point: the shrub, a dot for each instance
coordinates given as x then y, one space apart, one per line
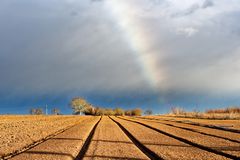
177 111
128 112
224 110
36 111
99 111
119 112
109 112
148 112
137 112
89 110
55 111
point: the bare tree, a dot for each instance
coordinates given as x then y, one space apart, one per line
128 112
177 110
39 111
32 111
148 112
36 111
78 105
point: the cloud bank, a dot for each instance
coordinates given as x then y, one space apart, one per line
92 48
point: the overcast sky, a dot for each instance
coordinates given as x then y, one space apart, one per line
147 53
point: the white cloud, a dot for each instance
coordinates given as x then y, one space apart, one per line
188 31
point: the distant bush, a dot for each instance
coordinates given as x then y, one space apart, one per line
148 112
55 111
224 110
90 110
196 113
177 111
219 113
128 112
136 112
109 112
118 112
36 111
99 111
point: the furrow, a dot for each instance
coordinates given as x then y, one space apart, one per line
87 142
196 130
64 146
164 146
19 151
199 124
185 140
150 154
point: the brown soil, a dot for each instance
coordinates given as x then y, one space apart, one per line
67 134
209 141
210 131
235 124
166 147
17 132
109 142
64 146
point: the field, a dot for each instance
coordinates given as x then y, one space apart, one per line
123 137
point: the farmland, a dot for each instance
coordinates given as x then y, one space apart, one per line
117 137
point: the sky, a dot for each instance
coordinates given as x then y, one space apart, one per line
152 54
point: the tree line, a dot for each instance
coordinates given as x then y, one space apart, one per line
81 106
39 111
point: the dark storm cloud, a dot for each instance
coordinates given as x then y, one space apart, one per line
196 6
53 51
69 47
192 9
207 3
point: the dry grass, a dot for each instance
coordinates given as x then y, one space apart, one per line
225 113
225 110
198 115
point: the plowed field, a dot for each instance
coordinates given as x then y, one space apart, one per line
135 138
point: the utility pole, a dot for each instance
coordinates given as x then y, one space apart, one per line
46 110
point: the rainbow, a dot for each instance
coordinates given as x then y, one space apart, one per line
138 40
